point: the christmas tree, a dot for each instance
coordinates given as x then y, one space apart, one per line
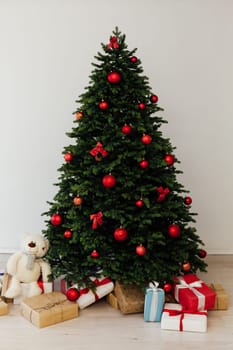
119 209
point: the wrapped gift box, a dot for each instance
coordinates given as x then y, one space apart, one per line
193 293
3 308
60 284
104 286
112 300
130 298
5 285
154 302
221 301
48 309
174 317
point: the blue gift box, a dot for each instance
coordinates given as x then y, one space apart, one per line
154 302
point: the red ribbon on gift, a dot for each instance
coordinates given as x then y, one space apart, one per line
97 219
98 149
182 313
162 193
98 283
113 44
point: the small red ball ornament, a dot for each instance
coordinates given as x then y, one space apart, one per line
174 230
114 77
188 200
68 234
72 294
103 105
202 253
142 106
56 219
77 200
79 115
186 266
126 129
146 139
109 181
133 59
94 254
139 203
120 234
140 250
154 98
167 287
169 159
68 157
144 164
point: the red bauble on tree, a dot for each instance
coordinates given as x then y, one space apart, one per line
188 200
202 253
126 129
114 77
120 234
186 266
146 139
77 200
167 287
139 203
144 164
72 294
103 105
109 181
94 254
133 59
140 250
68 157
169 159
68 234
174 230
56 219
154 98
142 105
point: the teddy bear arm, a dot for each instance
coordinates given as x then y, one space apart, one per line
45 270
11 265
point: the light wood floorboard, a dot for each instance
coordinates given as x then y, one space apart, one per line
101 327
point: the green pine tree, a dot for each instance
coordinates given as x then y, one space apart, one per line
119 207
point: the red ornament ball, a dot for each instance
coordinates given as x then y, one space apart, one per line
133 59
68 234
77 200
103 105
109 181
56 219
169 159
114 77
167 287
126 129
154 98
174 230
120 234
94 254
140 250
144 164
68 157
142 106
139 203
188 200
72 294
186 266
146 139
202 253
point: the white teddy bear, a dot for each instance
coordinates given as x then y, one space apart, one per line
27 266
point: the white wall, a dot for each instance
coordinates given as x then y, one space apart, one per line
46 50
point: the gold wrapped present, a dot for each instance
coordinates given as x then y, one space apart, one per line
47 309
112 300
3 308
221 301
130 298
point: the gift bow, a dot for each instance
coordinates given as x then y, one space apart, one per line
182 313
191 286
98 283
97 219
98 149
113 44
153 286
162 193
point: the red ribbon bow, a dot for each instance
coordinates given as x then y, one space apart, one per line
182 314
98 149
162 193
113 44
97 219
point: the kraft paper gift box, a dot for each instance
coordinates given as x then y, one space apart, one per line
112 300
174 317
154 302
104 286
48 309
3 308
5 285
221 301
193 293
130 298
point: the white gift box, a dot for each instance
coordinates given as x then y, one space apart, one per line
175 318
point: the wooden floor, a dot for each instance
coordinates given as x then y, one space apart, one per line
101 327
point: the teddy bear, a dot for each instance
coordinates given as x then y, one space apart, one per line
28 265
